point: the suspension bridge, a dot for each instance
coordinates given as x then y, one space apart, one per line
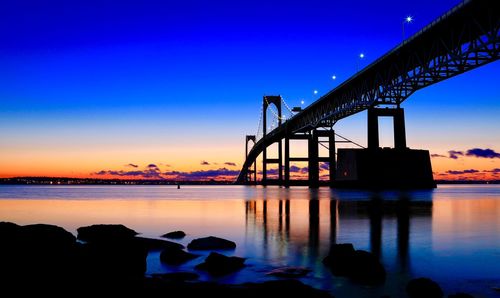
465 38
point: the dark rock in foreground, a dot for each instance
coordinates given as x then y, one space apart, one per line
274 289
176 256
366 268
105 233
339 258
423 287
157 244
121 260
209 243
217 264
460 295
174 235
290 272
358 265
177 276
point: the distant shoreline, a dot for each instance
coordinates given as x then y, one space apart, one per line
92 181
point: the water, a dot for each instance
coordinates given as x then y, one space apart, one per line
451 234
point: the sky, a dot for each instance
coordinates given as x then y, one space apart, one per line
169 89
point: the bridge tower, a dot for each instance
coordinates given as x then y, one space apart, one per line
266 102
250 171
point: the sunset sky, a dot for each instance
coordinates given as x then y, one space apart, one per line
169 89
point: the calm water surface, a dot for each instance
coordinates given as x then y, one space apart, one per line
451 234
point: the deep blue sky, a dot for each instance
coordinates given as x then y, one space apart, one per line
157 77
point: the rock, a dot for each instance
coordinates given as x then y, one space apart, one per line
460 295
105 233
9 230
35 256
217 264
282 288
358 265
423 287
157 244
120 260
154 287
176 256
177 276
48 236
209 243
174 235
366 268
339 258
290 272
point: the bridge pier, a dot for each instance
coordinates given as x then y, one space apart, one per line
375 167
313 159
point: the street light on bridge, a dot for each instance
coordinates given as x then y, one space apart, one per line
406 20
361 56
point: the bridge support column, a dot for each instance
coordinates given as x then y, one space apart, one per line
331 156
313 160
286 181
280 162
398 122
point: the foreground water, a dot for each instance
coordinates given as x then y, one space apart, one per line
451 234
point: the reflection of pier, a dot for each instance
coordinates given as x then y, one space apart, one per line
311 226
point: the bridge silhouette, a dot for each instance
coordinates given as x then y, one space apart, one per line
466 37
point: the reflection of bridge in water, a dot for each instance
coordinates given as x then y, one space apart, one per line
311 226
465 38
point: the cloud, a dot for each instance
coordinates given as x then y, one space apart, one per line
483 153
437 155
204 163
132 165
203 174
324 166
455 154
228 163
496 170
146 174
294 169
152 166
470 171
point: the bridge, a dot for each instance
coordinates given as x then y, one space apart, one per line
465 38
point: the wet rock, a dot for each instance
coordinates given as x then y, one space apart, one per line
423 287
177 276
174 235
217 264
211 242
290 272
176 256
157 244
105 233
